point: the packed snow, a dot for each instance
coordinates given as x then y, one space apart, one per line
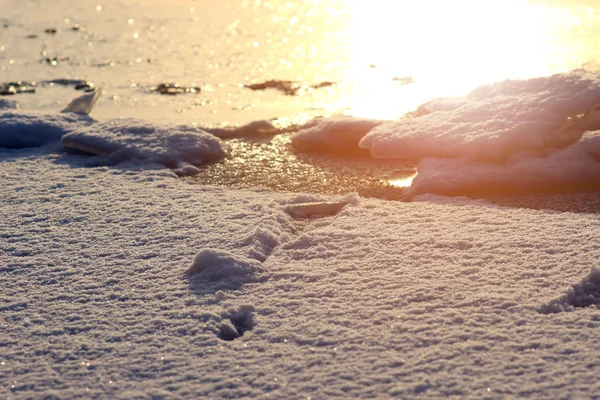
128 283
333 135
126 140
118 280
495 122
180 147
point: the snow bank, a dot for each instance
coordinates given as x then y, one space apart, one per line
495 121
135 140
381 300
22 130
333 135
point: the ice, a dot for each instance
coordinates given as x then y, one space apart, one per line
124 140
496 121
333 135
21 130
84 103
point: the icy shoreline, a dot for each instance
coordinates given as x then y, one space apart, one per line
120 280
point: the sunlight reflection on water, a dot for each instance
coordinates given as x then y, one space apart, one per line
384 57
448 48
402 182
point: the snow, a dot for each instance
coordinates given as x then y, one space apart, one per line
180 147
497 121
333 135
128 283
147 142
8 104
575 168
514 136
118 280
22 130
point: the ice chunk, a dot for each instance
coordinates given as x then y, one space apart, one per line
135 140
84 103
495 122
574 168
333 135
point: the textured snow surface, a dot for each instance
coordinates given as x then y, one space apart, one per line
496 121
116 140
131 284
21 130
146 142
8 104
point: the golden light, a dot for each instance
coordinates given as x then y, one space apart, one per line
450 47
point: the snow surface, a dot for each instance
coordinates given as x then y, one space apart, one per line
146 142
497 120
8 104
129 283
333 135
126 140
21 130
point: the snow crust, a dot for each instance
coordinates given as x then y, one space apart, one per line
333 135
117 283
496 121
8 104
22 130
146 142
117 141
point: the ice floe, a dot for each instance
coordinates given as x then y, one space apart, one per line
495 121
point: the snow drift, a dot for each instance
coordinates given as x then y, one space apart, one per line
146 142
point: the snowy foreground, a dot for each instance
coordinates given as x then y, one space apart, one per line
118 280
383 299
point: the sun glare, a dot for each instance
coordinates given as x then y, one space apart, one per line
449 47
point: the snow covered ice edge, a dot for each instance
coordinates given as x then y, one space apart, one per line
182 148
515 136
